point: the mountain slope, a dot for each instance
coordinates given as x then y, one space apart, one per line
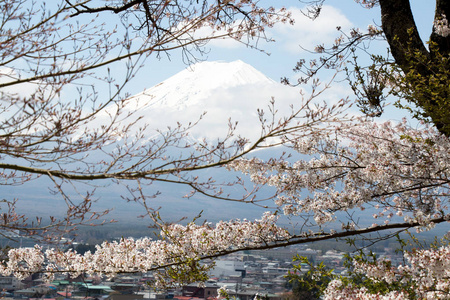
198 82
223 90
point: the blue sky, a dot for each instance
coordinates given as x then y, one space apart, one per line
285 52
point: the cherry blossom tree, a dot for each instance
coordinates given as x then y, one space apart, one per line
56 78
335 165
423 276
416 74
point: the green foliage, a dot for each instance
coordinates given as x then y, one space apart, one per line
369 85
185 270
311 284
423 88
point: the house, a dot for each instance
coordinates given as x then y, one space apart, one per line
88 289
10 283
204 291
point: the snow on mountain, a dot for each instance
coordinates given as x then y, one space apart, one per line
196 83
223 90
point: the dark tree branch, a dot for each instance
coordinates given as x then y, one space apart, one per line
442 43
299 239
413 57
114 9
401 31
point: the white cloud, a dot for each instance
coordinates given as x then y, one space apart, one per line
9 75
309 33
223 42
219 38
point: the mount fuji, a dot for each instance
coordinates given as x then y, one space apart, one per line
223 90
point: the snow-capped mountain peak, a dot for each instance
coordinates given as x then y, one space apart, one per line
223 90
207 75
198 82
218 73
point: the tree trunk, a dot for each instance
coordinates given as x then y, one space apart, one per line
405 44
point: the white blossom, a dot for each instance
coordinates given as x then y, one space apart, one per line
427 272
441 26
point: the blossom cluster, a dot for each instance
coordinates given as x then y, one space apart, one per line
367 3
426 274
373 30
336 291
391 168
178 244
441 26
221 19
